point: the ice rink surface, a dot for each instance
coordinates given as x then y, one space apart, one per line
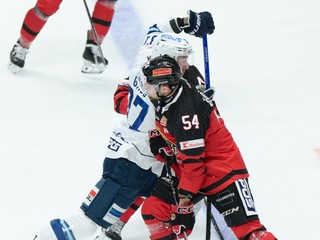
55 121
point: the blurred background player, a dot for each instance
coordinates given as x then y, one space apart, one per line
37 17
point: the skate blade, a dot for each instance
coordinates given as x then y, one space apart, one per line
90 68
14 68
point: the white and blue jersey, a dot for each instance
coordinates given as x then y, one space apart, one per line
130 138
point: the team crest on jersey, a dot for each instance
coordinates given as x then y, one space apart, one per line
163 121
197 143
114 145
153 133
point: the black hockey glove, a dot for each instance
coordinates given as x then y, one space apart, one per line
159 147
163 188
200 24
182 219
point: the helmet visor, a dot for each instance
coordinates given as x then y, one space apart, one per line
152 90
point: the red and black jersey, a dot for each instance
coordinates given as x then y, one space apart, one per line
120 97
208 157
193 76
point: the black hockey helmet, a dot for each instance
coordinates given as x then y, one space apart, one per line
162 70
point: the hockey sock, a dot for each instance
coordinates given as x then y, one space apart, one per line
102 17
132 209
31 27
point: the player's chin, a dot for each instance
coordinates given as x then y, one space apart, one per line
153 97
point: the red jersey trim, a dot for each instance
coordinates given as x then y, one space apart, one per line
223 180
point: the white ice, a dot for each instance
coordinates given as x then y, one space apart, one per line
55 121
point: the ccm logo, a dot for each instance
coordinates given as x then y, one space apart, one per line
232 210
185 210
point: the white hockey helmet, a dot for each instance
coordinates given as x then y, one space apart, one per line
171 44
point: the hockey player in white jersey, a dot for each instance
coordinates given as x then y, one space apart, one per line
129 169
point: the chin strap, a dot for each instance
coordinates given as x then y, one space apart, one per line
170 95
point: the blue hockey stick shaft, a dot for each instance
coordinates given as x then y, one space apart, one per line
207 81
206 60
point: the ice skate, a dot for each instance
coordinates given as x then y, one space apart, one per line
114 231
17 58
92 59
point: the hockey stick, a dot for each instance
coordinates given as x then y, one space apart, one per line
173 188
208 222
207 82
206 60
95 33
208 204
213 221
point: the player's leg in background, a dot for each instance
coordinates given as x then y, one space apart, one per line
34 21
101 18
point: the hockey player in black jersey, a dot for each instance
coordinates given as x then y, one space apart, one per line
203 155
